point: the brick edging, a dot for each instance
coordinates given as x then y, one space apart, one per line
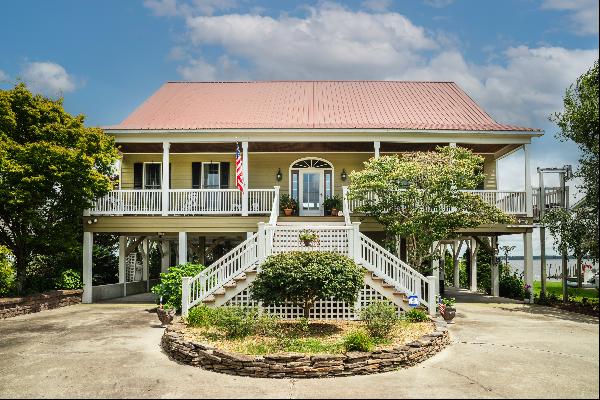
298 365
11 307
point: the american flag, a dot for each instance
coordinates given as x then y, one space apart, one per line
442 308
239 173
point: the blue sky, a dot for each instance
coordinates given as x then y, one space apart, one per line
514 57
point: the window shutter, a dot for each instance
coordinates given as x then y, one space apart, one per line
225 175
170 174
138 175
196 175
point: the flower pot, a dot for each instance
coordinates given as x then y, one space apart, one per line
288 211
449 314
334 212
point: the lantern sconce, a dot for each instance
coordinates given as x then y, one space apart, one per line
344 174
279 176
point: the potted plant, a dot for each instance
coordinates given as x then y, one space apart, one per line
287 204
336 204
308 237
327 205
447 309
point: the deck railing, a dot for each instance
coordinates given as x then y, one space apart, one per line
184 202
511 202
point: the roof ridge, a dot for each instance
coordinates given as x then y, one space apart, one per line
314 81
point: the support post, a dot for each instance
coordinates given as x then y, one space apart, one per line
495 269
182 245
185 295
377 146
246 178
165 178
88 244
528 262
455 252
145 251
542 212
442 269
431 295
260 243
165 259
356 253
122 249
565 275
202 250
528 189
474 247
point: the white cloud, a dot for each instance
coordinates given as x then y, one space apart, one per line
3 76
198 70
171 8
162 8
583 14
48 78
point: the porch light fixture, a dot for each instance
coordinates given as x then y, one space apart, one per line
344 175
279 176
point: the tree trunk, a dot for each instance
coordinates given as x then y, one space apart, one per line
21 263
307 307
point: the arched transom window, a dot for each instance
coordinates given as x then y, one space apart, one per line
312 163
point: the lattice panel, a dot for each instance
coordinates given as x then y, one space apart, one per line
330 239
323 309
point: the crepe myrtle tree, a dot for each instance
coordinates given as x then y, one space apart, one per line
303 277
51 168
418 196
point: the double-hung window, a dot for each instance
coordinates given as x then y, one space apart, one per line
211 175
152 175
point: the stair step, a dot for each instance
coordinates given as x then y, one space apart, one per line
219 292
241 277
230 284
209 299
376 278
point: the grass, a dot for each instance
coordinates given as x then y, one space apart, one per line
556 288
296 336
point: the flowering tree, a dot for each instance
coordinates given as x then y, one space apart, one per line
418 196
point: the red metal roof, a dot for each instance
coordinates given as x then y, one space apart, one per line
312 104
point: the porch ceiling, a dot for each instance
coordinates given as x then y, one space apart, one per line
316 147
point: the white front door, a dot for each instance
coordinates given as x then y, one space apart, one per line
311 192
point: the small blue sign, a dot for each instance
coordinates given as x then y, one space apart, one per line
413 301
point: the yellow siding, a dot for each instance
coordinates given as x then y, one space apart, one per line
262 168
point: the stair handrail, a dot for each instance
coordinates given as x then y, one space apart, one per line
214 277
396 272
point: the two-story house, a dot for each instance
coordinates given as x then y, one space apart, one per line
177 181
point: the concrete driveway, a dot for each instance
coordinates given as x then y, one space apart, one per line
500 349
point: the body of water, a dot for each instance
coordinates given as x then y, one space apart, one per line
553 267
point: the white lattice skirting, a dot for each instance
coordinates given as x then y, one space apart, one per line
323 309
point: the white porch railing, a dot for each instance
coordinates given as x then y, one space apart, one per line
119 202
285 238
511 202
184 202
229 266
205 201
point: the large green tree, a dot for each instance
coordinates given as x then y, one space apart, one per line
418 196
51 168
579 122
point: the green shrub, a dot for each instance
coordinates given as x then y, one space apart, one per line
358 340
69 279
511 284
236 322
380 318
416 315
200 316
169 287
266 325
302 277
7 273
303 325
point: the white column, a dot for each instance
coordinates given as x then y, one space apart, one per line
495 275
165 178
377 146
260 242
456 264
166 256
182 248
356 253
246 178
122 255
435 266
145 251
431 295
88 245
528 190
474 247
528 261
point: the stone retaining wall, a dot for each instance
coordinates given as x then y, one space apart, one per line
296 365
13 306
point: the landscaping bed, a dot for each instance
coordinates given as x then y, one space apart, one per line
13 306
242 341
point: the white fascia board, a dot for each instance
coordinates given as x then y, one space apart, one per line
323 135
